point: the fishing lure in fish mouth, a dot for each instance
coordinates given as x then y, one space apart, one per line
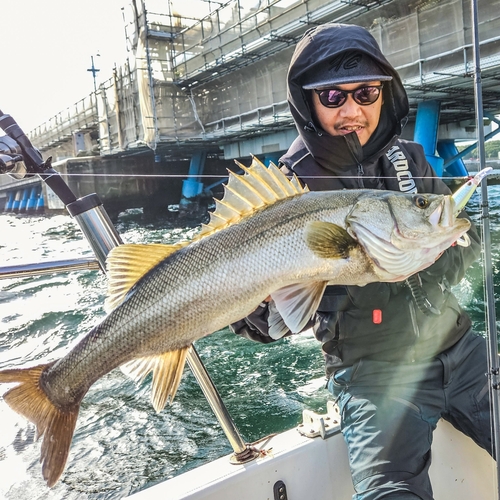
462 195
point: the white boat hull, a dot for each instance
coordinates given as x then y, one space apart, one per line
317 469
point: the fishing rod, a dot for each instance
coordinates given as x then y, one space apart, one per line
491 330
87 211
18 145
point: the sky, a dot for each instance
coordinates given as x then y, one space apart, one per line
46 49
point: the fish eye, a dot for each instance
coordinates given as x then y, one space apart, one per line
421 201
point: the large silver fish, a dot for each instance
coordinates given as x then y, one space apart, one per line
268 236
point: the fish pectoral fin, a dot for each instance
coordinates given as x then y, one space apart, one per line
126 264
328 240
277 327
295 304
167 371
54 423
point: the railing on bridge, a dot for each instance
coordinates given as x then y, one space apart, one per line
239 33
221 78
59 129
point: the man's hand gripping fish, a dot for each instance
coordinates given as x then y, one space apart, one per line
288 242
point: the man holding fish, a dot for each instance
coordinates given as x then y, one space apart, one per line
399 356
395 351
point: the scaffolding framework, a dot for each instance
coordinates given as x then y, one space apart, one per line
221 78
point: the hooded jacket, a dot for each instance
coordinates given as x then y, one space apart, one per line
397 322
342 154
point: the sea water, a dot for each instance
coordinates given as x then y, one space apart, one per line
121 445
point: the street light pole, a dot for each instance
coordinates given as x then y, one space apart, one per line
94 104
94 71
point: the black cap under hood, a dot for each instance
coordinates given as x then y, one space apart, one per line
319 45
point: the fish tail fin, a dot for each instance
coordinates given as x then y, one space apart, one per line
57 424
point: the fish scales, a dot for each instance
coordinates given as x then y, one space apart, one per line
178 301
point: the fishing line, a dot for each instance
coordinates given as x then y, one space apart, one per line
224 176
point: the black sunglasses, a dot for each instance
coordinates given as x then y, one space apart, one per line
334 98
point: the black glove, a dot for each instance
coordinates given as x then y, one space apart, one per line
11 159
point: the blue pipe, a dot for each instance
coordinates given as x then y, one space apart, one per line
447 149
271 158
40 204
192 187
17 201
463 153
10 201
33 198
426 132
24 200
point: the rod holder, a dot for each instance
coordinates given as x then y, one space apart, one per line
96 226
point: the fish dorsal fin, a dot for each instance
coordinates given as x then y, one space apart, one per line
246 193
294 307
126 264
167 371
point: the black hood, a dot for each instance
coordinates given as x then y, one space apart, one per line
337 153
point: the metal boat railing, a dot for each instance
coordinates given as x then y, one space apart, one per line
47 267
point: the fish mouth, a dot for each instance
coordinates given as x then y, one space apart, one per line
445 216
436 218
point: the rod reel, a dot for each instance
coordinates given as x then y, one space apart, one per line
11 158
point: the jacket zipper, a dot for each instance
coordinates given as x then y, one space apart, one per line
361 173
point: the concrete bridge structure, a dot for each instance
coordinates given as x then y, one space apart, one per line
208 85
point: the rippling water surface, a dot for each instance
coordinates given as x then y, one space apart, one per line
120 444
